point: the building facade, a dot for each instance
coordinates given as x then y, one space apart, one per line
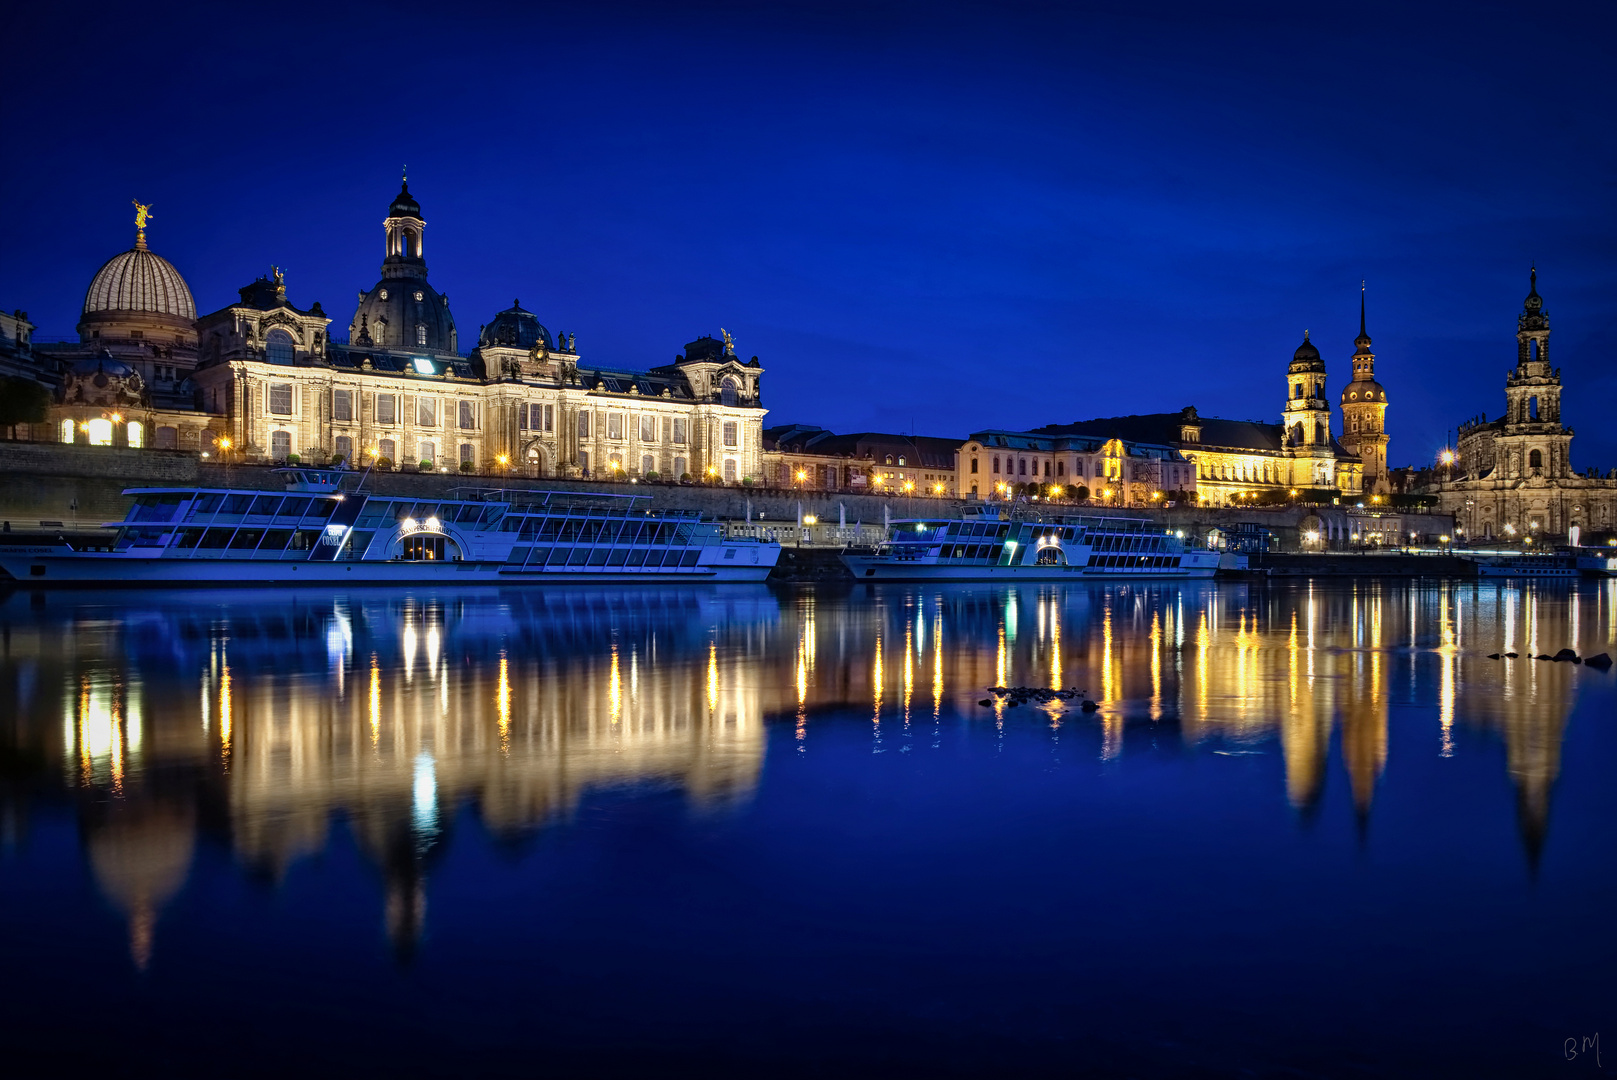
1364 414
1513 478
1105 469
812 458
262 380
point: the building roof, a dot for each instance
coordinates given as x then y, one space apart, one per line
918 451
139 280
1163 428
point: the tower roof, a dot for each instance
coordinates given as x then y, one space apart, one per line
140 280
1533 316
1306 358
404 204
1363 340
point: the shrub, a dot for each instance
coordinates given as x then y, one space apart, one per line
746 481
685 477
424 465
1081 493
293 459
653 476
467 466
384 463
338 459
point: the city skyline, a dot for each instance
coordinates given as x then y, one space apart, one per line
924 273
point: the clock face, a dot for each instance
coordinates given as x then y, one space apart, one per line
382 294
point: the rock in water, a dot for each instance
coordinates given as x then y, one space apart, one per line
1090 706
1599 661
986 701
1510 656
1566 655
1493 656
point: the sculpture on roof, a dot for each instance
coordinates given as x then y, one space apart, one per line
729 342
143 214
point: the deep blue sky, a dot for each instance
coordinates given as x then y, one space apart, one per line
957 217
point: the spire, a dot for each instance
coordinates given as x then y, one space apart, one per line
1363 340
1361 308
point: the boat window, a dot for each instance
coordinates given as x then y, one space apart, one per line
266 504
423 548
304 539
467 512
295 507
156 507
208 503
237 504
689 558
550 529
275 539
188 538
216 538
637 557
357 543
246 539
323 508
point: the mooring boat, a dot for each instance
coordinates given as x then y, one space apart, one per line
1528 566
315 532
987 549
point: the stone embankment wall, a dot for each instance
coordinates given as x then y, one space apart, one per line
45 481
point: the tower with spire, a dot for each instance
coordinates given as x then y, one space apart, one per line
1306 420
1364 411
1532 443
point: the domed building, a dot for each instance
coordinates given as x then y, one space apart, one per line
402 311
140 309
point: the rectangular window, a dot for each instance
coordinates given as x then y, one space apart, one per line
679 431
584 461
648 429
426 412
730 433
973 465
386 409
280 399
342 404
468 415
996 463
280 444
614 425
466 453
522 417
550 418
583 429
429 453
386 450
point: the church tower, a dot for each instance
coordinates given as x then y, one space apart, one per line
1532 443
1364 412
402 312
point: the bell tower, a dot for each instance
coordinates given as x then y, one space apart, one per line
1364 411
1532 443
404 228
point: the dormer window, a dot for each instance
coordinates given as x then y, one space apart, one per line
382 294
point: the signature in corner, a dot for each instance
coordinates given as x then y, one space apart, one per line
1576 1046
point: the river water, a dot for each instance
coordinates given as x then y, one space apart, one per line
1311 831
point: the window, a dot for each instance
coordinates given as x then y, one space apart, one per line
584 461
166 438
730 433
729 390
1535 459
386 409
679 431
1061 468
278 347
614 425
974 465
420 333
429 451
280 399
550 418
345 447
135 434
426 412
1021 466
522 417
1532 408
387 449
342 404
467 454
280 444
583 429
1047 470
901 461
996 463
468 415
648 465
729 470
648 429
680 465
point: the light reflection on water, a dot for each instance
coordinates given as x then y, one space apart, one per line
393 711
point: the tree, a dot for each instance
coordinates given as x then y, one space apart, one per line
22 401
1082 494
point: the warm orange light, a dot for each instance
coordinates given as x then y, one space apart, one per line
224 444
1448 457
909 485
117 418
802 475
938 488
1156 494
502 459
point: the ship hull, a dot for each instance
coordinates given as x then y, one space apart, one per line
877 569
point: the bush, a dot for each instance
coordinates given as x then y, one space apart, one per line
1081 493
467 466
746 481
384 463
293 459
684 477
337 460
653 476
424 465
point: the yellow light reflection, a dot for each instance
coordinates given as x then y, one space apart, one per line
712 676
614 694
376 701
504 699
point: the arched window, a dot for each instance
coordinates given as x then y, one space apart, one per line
729 390
134 434
901 460
67 431
680 468
1535 459
280 444
385 450
278 347
647 465
1532 408
420 333
1061 468
429 453
345 447
1319 433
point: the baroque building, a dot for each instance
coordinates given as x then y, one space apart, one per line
870 462
262 380
1111 470
1364 413
1513 476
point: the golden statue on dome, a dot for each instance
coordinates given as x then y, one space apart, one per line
143 214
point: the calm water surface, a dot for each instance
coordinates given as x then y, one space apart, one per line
1312 831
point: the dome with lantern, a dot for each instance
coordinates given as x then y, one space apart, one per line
138 293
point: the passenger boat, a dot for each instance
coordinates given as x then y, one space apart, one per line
315 532
985 548
1597 565
1528 566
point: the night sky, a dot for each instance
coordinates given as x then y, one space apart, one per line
954 218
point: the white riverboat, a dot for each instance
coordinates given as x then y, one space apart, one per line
1528 566
315 532
985 548
1604 565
